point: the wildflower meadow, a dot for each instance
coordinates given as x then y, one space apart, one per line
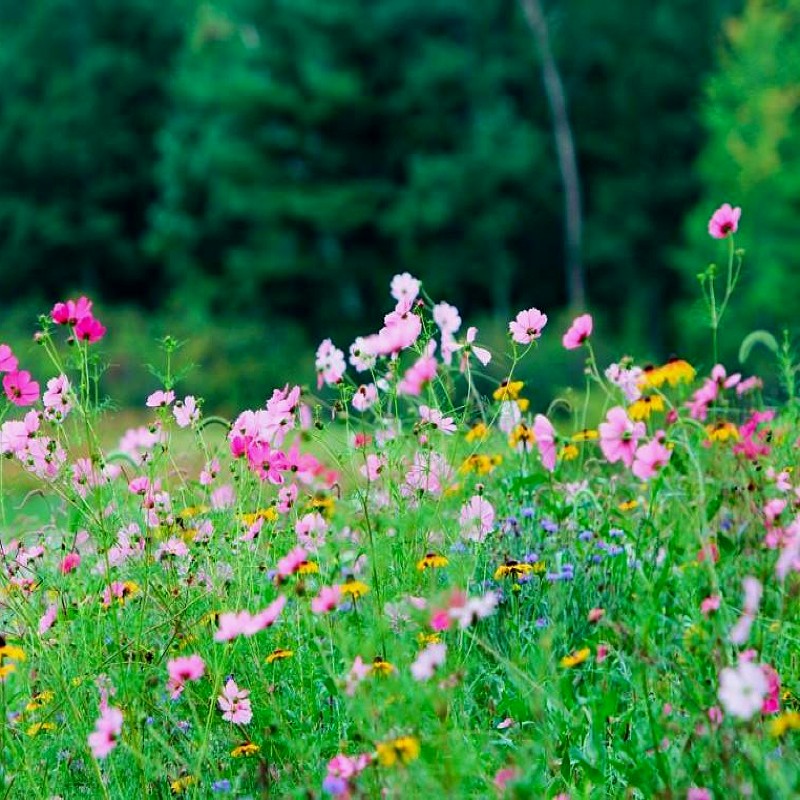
404 580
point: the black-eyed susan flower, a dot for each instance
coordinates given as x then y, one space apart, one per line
789 721
569 452
480 463
628 505
324 504
307 568
645 406
722 431
585 435
403 750
245 750
676 371
513 569
576 658
10 655
508 390
39 700
353 588
432 561
280 654
522 437
180 785
35 728
380 666
477 432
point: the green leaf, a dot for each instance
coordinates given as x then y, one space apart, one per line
754 338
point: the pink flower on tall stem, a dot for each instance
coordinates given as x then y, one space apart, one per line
724 221
107 731
527 326
619 436
71 312
649 459
89 330
477 518
545 441
8 361
182 669
235 704
578 333
20 388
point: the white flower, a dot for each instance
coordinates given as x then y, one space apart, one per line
742 689
428 660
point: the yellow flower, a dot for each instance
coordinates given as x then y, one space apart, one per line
246 749
586 435
39 701
181 784
722 431
192 511
38 727
12 653
785 722
6 670
307 568
644 406
325 505
676 370
381 666
478 432
480 463
353 588
628 505
522 434
129 589
513 569
405 750
508 390
279 655
267 514
578 657
428 638
539 567
523 404
432 561
569 452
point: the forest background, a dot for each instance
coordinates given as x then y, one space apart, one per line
247 175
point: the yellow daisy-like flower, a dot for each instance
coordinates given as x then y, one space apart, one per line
380 666
192 511
789 721
722 431
129 589
652 378
508 390
523 404
477 432
428 638
38 727
513 569
480 463
403 750
39 700
244 750
325 505
628 505
569 452
267 514
279 655
676 371
308 568
586 435
6 670
644 406
522 434
576 658
353 588
12 653
432 561
180 785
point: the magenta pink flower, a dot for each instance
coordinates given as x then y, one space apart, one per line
20 388
545 441
182 669
107 731
527 326
724 221
619 436
710 604
69 563
8 362
649 459
421 372
327 599
578 333
243 623
89 330
698 793
71 312
235 704
291 562
772 702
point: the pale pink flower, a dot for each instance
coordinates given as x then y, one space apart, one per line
365 396
235 704
470 348
742 689
373 467
649 459
476 518
749 385
428 661
467 611
740 632
405 288
355 675
724 221
545 441
8 361
435 418
57 400
697 793
578 333
291 562
330 364
48 618
627 378
327 599
619 436
186 412
242 623
527 326
447 318
182 669
710 604
15 434
509 417
311 530
361 355
160 399
428 472
420 373
107 731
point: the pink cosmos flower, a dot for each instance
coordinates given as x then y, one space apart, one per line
742 689
477 518
355 675
291 562
327 599
619 436
545 441
160 399
57 399
428 472
242 623
107 731
470 348
428 661
373 467
724 221
235 704
441 620
311 530
527 326
361 355
421 372
503 777
710 604
8 362
435 418
405 288
48 619
772 702
649 459
697 793
626 377
186 412
69 563
365 396
182 669
467 611
740 632
578 333
330 364
20 388
89 330
71 312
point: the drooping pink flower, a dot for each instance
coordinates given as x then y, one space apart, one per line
724 221
365 396
527 326
89 330
20 388
291 562
470 348
578 333
330 364
235 704
435 418
649 459
186 412
8 361
545 441
428 661
619 436
327 599
107 731
476 518
182 669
